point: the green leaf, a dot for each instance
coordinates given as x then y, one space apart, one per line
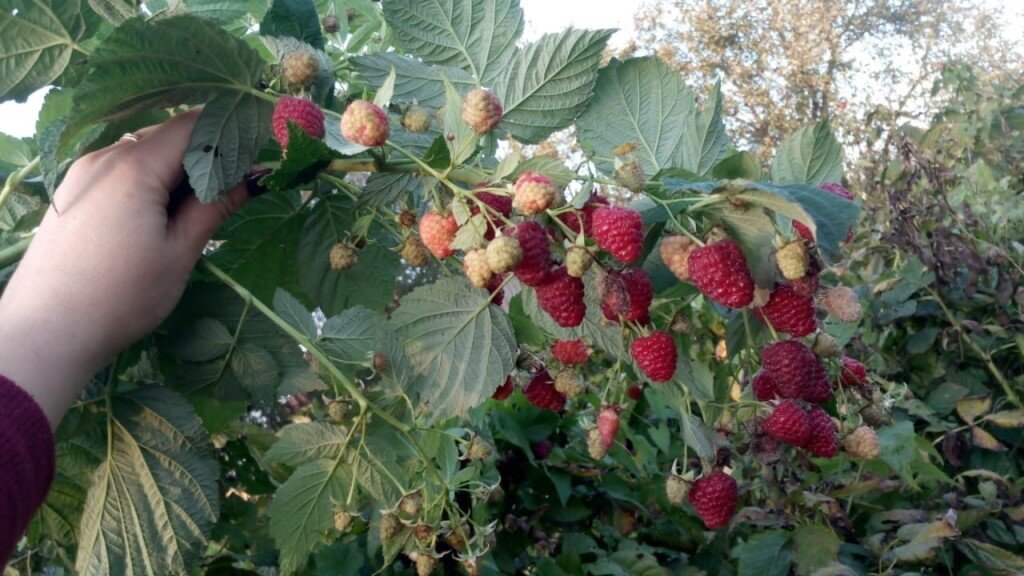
262 244
550 82
697 436
292 311
154 499
203 340
897 445
704 142
256 370
302 509
463 346
165 63
459 136
352 335
992 557
815 547
387 188
365 283
551 167
38 40
644 102
302 443
811 155
229 133
414 80
295 18
322 89
741 165
114 11
478 36
764 554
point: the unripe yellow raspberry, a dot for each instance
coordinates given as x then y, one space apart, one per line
842 304
863 443
342 520
793 260
343 256
416 119
481 110
300 68
675 253
825 346
503 254
677 489
365 124
477 270
595 444
425 564
577 261
533 193
569 383
414 252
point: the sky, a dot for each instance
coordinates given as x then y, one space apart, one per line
542 17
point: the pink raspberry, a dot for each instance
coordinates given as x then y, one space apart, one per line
365 124
482 110
302 112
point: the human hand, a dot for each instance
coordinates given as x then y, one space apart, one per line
109 267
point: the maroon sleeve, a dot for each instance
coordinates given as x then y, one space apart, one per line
26 463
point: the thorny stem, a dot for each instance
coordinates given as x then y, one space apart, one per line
15 179
1011 394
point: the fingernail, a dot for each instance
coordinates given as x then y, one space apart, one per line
252 181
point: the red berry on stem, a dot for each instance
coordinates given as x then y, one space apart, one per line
302 112
437 232
608 425
720 272
570 352
821 438
714 497
535 263
789 312
656 355
619 231
585 215
562 298
853 373
541 392
795 371
788 422
505 390
764 388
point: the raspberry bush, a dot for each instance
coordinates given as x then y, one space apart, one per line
429 349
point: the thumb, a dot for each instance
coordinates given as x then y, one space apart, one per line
195 222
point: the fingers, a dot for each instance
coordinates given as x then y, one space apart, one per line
161 149
195 222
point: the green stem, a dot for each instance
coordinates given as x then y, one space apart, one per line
15 179
14 252
1011 394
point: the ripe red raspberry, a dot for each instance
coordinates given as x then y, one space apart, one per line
365 124
302 112
573 220
542 449
853 374
562 298
481 110
788 422
764 388
619 231
570 352
635 393
720 272
835 189
505 390
535 264
795 371
627 294
789 312
437 232
608 425
542 394
821 439
533 193
655 355
805 286
714 497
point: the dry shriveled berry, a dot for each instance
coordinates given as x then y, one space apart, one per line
608 425
411 503
793 260
595 444
570 352
655 354
541 392
342 520
331 24
789 312
619 231
533 193
562 298
626 295
414 252
482 110
821 440
569 383
788 422
714 498
365 124
300 68
675 253
389 527
677 489
303 113
437 232
863 443
842 304
406 219
720 272
577 261
825 346
477 270
535 264
629 174
503 254
478 449
343 256
416 119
